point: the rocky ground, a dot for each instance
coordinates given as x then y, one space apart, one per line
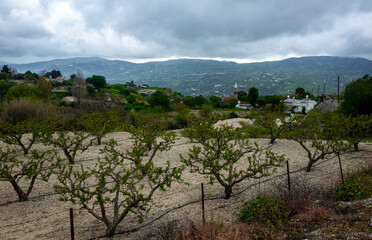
44 217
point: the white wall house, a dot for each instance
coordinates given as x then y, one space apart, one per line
296 105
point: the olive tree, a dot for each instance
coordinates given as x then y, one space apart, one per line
120 183
29 167
225 154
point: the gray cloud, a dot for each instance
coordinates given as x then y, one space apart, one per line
234 29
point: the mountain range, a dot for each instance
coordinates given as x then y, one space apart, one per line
210 77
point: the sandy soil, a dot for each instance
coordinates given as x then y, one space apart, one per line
44 217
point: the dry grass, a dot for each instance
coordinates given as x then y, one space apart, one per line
24 108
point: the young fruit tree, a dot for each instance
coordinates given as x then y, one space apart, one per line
31 167
24 133
225 154
356 128
275 122
120 183
146 127
69 142
98 124
319 138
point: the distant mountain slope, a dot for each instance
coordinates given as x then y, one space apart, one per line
208 77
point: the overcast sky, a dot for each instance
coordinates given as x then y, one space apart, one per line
142 30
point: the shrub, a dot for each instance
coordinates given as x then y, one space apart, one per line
269 211
233 115
24 90
213 230
358 185
24 108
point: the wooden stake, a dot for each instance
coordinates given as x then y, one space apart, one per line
72 223
342 174
202 192
289 179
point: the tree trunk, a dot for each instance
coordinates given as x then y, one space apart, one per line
228 191
356 147
22 196
99 140
110 229
70 159
309 165
272 139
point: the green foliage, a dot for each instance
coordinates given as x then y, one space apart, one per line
122 182
274 122
159 98
54 74
146 127
6 69
217 102
355 128
358 97
233 115
25 133
233 103
108 90
265 210
358 185
97 81
69 142
24 90
300 93
45 88
318 137
90 90
182 115
131 98
27 167
243 96
253 96
98 124
4 76
4 86
138 107
124 91
221 149
254 130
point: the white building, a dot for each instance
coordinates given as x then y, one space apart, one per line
296 105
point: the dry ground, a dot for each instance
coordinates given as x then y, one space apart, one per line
44 217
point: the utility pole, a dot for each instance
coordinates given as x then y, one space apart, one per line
338 89
318 90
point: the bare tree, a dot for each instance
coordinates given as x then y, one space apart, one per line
78 87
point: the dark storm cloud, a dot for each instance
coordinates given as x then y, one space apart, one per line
255 30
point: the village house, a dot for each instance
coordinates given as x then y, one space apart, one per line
299 105
146 91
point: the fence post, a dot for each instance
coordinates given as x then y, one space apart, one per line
72 223
202 192
289 179
342 175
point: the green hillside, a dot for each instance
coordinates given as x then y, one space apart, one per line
208 77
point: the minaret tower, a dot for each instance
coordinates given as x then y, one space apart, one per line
236 91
